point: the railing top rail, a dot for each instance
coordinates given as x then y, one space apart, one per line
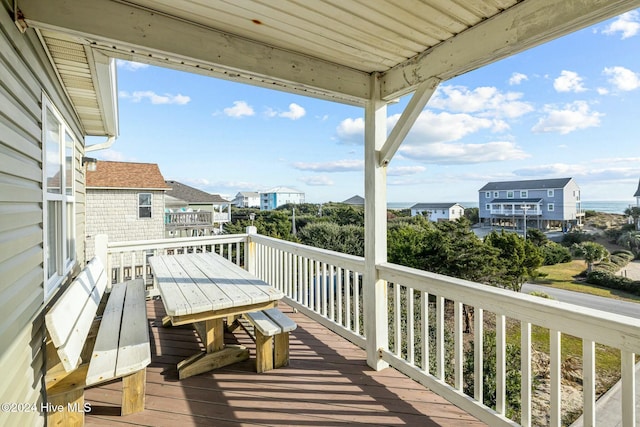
604 327
175 242
350 262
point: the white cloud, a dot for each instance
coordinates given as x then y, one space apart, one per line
442 127
113 156
602 91
316 180
154 98
335 166
239 109
569 81
130 66
517 78
295 112
623 78
351 131
457 153
628 24
584 172
405 170
571 117
486 101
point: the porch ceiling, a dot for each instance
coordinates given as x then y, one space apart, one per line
321 48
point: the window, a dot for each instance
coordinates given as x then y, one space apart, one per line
509 194
550 207
487 194
549 193
488 207
496 194
59 197
524 194
144 205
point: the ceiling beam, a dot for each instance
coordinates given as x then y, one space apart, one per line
525 25
129 30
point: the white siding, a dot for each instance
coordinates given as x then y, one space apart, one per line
24 75
115 213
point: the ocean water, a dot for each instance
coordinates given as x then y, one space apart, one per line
616 206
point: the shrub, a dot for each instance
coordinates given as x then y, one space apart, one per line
541 295
574 237
555 253
611 281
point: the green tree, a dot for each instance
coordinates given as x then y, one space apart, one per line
519 258
631 241
634 211
348 239
592 253
472 214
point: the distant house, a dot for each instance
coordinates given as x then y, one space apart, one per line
247 199
355 201
637 195
204 213
540 203
438 211
125 201
279 196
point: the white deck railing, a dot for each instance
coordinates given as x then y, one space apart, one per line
426 320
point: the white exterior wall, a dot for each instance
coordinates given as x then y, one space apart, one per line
115 213
440 214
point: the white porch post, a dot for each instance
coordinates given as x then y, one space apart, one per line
375 226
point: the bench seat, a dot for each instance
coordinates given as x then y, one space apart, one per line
271 328
95 339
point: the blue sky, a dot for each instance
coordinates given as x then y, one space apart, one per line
569 108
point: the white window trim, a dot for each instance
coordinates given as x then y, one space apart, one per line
550 193
551 207
510 194
67 261
524 194
487 194
150 205
496 194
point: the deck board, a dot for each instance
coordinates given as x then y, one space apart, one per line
327 383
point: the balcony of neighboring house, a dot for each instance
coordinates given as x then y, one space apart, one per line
510 207
417 323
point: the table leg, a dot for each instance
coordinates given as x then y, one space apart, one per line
216 355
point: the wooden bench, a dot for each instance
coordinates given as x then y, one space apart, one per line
272 329
84 350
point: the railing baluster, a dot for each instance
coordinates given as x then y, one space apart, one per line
332 292
347 298
628 373
478 356
555 377
424 326
356 302
339 293
525 373
324 289
410 327
458 345
397 327
440 337
589 383
318 287
500 363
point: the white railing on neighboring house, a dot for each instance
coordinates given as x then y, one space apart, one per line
427 316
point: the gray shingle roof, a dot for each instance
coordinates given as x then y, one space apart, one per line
434 205
355 200
192 195
532 184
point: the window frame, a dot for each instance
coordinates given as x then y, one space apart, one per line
550 193
524 194
150 205
510 194
487 194
62 215
551 207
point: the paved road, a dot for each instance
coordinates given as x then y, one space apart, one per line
626 308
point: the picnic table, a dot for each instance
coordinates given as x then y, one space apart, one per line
205 289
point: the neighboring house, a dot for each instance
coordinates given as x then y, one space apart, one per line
437 212
541 203
279 196
247 199
203 213
355 201
637 195
125 201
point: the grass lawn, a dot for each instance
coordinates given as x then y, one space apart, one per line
561 276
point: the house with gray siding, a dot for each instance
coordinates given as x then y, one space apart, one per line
125 202
538 203
202 214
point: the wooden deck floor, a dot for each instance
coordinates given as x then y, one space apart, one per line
327 383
